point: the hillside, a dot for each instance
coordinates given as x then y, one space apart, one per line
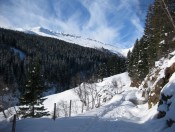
64 65
157 41
85 42
70 83
126 111
114 108
117 110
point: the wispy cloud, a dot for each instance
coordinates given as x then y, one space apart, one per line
114 22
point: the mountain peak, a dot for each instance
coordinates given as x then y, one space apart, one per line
42 30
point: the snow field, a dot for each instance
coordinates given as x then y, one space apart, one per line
117 114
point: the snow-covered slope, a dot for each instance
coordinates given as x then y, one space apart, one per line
120 112
158 77
85 42
116 108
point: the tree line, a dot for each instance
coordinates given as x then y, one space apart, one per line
63 64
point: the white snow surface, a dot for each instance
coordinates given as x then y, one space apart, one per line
85 42
117 114
169 90
169 87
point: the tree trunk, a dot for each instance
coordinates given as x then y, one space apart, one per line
70 108
14 124
82 107
4 113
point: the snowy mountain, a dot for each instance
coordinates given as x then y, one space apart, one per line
85 42
110 105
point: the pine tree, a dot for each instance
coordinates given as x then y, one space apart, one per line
133 62
31 100
142 66
129 63
102 71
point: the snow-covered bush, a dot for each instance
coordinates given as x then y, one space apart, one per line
88 94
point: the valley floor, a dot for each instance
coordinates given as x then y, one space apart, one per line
117 115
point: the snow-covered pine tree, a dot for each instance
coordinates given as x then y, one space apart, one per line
31 101
102 72
133 63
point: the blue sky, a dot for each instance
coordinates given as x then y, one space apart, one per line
116 22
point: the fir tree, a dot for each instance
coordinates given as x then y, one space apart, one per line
31 100
102 72
142 66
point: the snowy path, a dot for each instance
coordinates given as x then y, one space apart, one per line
118 115
78 124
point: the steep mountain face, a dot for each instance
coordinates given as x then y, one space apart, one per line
85 42
158 88
151 64
63 64
157 41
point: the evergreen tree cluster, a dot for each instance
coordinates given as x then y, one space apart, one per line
111 67
157 41
62 63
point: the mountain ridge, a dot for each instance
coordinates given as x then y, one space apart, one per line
79 40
